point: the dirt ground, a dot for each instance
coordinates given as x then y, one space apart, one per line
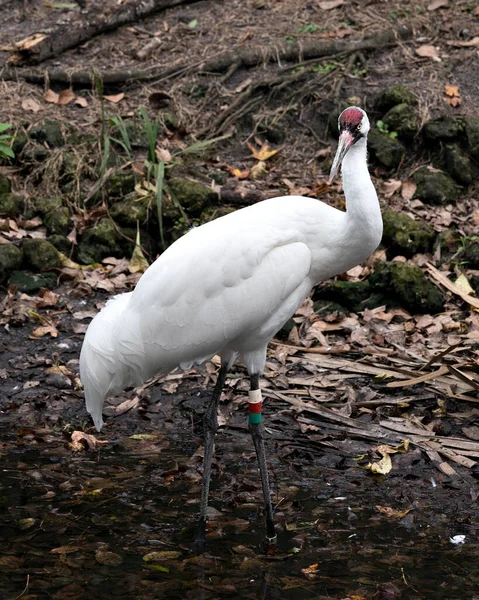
98 516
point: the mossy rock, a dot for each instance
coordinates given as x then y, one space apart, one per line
387 150
470 254
119 184
29 283
471 127
5 185
350 294
43 206
40 255
444 129
48 131
405 236
130 210
193 196
149 244
61 243
435 187
406 285
98 242
10 204
58 221
19 142
457 163
392 96
402 119
10 259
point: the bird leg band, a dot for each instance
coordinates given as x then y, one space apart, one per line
255 405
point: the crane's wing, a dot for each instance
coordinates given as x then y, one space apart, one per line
216 288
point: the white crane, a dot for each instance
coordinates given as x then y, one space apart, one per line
226 288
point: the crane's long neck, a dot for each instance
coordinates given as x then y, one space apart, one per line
363 216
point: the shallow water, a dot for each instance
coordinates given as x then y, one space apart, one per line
85 525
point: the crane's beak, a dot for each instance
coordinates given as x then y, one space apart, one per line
344 144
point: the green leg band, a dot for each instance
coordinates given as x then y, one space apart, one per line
255 418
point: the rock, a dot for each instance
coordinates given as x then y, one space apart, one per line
58 221
5 185
350 294
11 205
392 96
98 242
406 285
193 196
149 244
471 127
40 255
10 259
435 187
457 163
46 205
130 210
19 142
28 282
119 185
50 132
61 243
405 236
387 150
402 119
469 254
444 129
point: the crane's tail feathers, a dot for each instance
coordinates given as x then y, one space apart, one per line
103 368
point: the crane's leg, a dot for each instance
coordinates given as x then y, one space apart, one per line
210 426
256 428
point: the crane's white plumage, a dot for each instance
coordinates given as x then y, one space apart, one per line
228 286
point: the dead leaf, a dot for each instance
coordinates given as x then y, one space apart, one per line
138 262
65 97
435 4
51 96
83 441
163 154
427 51
390 187
408 190
311 572
31 105
330 4
452 90
263 153
463 284
390 512
44 330
81 101
62 550
259 170
105 557
115 98
238 173
453 101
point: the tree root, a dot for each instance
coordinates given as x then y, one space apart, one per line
303 52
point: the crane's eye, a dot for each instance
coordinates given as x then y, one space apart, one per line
358 128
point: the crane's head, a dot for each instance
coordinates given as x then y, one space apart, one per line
353 124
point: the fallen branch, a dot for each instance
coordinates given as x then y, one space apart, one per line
310 49
65 37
